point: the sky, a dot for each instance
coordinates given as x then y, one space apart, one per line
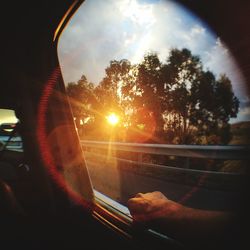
102 31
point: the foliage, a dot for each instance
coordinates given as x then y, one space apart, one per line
172 102
82 100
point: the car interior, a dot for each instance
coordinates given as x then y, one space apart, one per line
47 197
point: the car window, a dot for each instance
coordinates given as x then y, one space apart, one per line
158 100
9 137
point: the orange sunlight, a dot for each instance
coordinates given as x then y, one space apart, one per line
112 119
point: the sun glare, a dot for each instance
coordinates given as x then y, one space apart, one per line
112 119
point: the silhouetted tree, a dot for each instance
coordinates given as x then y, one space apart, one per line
182 71
198 106
82 100
172 102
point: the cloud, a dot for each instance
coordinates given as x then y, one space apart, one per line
123 29
92 39
243 115
218 59
197 29
245 111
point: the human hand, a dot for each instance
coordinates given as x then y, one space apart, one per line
153 207
189 225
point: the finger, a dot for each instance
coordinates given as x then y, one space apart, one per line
138 205
139 195
159 194
133 203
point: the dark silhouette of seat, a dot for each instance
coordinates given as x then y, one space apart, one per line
9 205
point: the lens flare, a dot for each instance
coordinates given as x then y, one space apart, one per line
113 119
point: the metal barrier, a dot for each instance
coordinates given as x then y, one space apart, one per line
185 179
229 152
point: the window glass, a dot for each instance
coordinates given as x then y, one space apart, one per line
153 89
9 137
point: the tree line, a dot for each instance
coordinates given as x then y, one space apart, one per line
176 101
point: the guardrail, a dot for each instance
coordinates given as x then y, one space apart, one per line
184 173
229 152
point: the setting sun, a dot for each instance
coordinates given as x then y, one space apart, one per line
112 119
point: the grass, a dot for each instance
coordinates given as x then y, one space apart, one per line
241 133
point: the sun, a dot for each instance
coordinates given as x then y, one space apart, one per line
112 119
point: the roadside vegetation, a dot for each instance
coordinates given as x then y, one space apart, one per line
171 102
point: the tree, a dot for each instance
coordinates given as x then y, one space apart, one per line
172 102
146 95
198 105
227 106
183 70
82 100
109 92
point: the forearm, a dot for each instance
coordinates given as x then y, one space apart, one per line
189 225
195 225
